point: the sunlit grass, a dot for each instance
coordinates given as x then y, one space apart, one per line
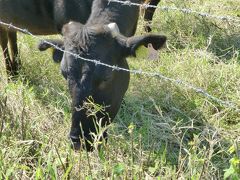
163 130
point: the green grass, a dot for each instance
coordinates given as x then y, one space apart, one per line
163 130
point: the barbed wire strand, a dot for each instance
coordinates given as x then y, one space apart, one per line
183 10
226 104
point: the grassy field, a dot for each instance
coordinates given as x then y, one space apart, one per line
164 130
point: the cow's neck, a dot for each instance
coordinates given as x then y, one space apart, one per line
125 17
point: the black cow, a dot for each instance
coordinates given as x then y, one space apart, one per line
40 17
107 37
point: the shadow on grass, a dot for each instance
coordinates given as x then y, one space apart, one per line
172 129
226 47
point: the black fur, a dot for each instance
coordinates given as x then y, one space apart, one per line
106 87
43 17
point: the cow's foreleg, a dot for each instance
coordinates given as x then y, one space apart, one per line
12 38
149 14
4 46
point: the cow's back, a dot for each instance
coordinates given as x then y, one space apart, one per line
43 16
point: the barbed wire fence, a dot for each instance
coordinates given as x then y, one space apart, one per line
178 82
183 10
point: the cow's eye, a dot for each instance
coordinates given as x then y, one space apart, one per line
105 79
102 85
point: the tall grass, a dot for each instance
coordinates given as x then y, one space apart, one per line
162 131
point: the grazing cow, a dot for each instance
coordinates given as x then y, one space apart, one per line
40 17
107 37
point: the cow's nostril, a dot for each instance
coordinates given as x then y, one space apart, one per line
75 142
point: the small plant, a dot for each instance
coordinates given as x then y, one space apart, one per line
233 172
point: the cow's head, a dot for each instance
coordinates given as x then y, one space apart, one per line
106 86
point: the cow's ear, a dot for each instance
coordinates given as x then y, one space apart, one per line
133 43
55 45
